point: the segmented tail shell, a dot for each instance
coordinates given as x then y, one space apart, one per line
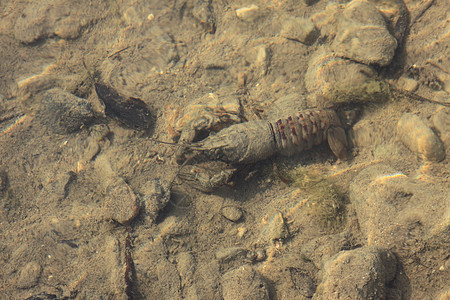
303 130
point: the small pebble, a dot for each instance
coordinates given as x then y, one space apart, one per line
68 28
186 265
227 254
232 213
263 59
441 120
204 14
299 29
260 255
419 138
155 198
29 275
248 14
407 84
120 202
274 229
256 256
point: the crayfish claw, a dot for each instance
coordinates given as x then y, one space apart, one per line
207 177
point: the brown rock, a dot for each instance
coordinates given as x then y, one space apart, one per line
441 121
120 202
232 213
363 36
358 274
299 29
333 80
244 283
419 138
29 275
393 209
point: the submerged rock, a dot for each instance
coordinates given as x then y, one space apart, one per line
29 275
358 274
441 121
249 14
393 209
156 196
232 213
299 29
120 202
244 283
333 80
363 36
63 112
419 138
274 228
43 19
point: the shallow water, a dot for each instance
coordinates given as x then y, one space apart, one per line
91 206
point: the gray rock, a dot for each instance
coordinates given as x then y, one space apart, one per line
299 29
120 202
366 134
393 209
29 275
262 61
303 283
244 283
333 80
274 229
419 138
232 213
358 274
63 112
407 84
362 35
204 14
156 196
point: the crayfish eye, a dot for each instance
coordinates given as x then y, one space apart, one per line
349 116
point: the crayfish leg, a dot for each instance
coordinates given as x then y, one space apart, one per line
337 140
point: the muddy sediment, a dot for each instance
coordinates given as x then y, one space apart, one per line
90 202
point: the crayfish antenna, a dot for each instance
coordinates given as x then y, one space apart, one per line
171 183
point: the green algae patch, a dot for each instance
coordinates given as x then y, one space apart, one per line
324 202
369 91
